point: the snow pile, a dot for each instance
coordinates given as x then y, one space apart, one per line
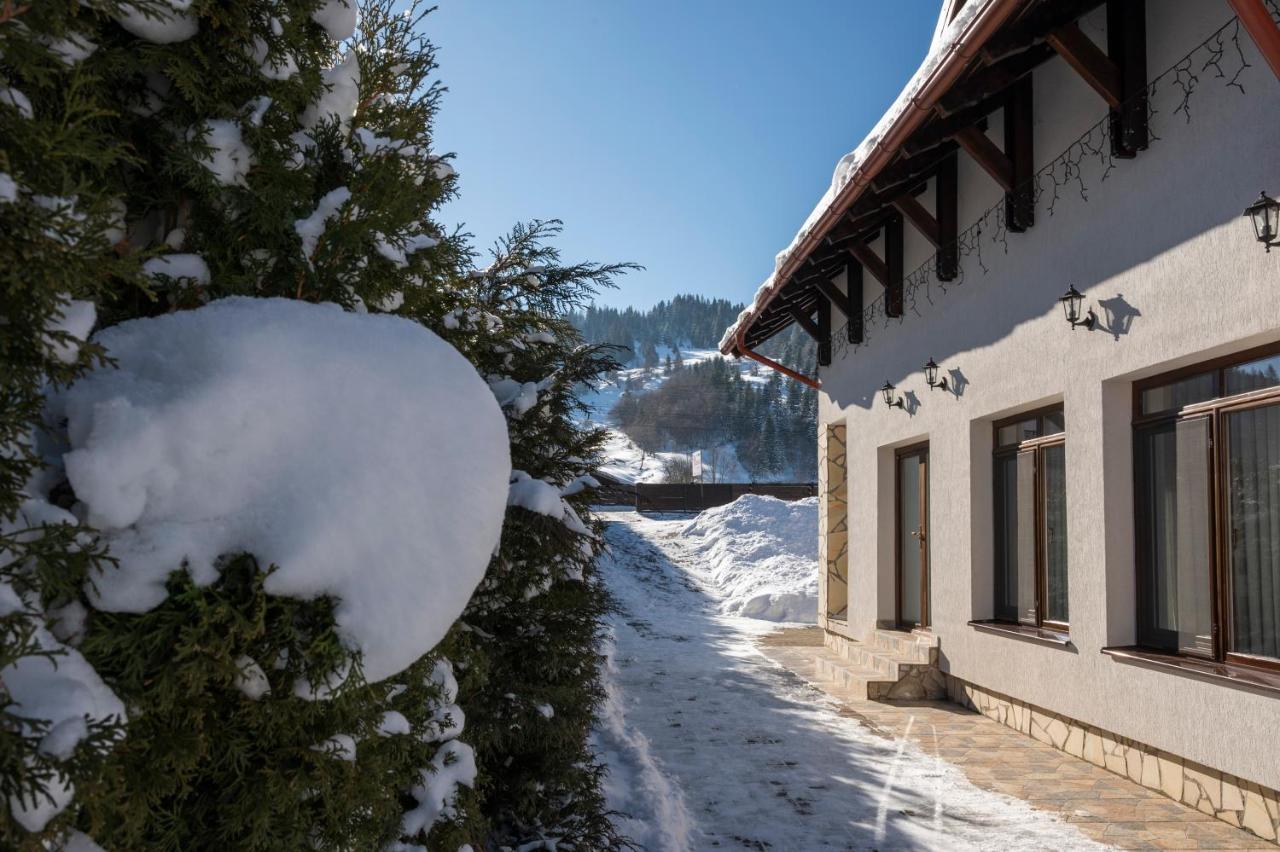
75 321
310 228
337 18
341 95
70 49
761 556
178 268
62 691
229 158
454 762
360 453
544 498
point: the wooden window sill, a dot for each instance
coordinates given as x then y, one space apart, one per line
1230 674
1039 635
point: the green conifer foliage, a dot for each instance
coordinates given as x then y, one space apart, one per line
165 156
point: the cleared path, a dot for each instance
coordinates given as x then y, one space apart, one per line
711 745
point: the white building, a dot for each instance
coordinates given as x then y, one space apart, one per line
1081 528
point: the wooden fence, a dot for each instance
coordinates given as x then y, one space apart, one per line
692 497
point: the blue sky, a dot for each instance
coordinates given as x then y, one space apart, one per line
692 137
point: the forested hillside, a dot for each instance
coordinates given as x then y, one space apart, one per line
733 411
769 422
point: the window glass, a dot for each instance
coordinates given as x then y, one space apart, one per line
1174 536
1177 394
1156 495
1015 433
1055 532
1255 375
1006 537
1253 534
1055 422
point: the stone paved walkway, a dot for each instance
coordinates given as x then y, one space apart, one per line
1106 807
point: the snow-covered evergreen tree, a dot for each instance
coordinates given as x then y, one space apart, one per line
159 155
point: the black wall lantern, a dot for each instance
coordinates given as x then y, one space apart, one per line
1071 304
1265 213
931 376
890 399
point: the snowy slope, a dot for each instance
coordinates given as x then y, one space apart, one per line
626 462
759 556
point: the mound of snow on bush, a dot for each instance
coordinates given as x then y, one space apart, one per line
762 555
360 453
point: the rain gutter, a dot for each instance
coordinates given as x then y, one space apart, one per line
1262 28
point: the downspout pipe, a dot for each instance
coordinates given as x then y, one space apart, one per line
774 365
1262 28
959 53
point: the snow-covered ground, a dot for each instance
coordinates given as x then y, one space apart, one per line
712 746
626 462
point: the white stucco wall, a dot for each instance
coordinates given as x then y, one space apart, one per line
1163 234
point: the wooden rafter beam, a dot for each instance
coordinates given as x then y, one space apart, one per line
856 230
805 322
921 218
1032 27
929 141
827 287
1088 60
909 172
870 261
986 154
993 79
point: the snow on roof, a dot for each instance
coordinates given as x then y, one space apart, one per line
943 45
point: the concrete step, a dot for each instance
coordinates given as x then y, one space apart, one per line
920 647
895 665
858 683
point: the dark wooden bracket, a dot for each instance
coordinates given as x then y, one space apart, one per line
853 286
986 154
849 305
805 322
946 203
1127 47
921 218
1019 147
827 287
1088 60
868 259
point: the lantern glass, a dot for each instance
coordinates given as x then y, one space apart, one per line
887 393
1071 305
931 373
1265 215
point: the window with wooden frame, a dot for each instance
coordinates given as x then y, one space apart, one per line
1206 448
1030 466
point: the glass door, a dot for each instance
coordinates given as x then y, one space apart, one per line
913 537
